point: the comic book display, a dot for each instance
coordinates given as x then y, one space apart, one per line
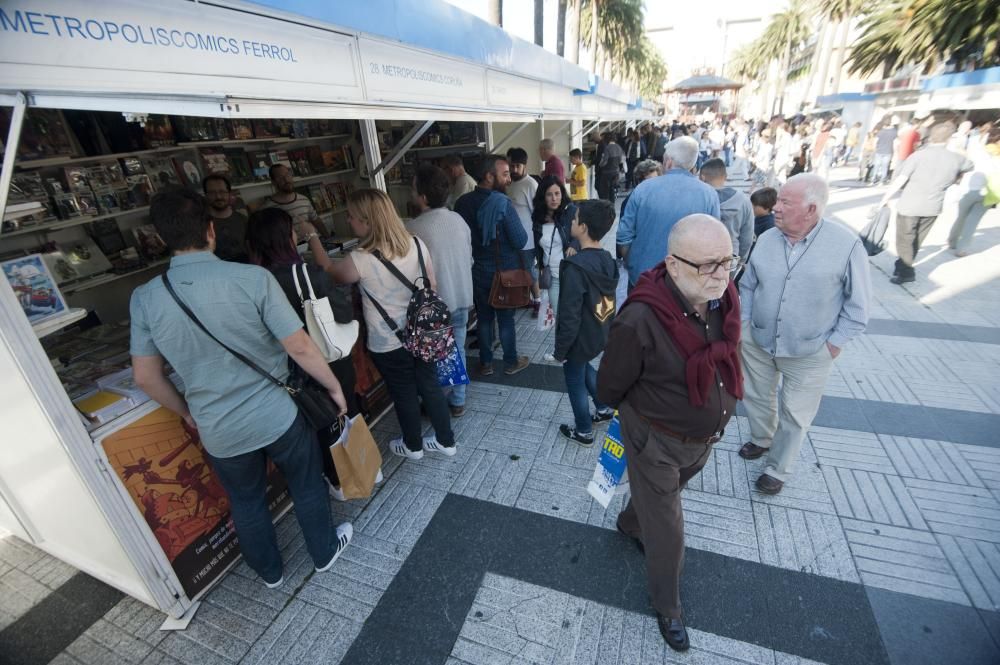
35 287
163 467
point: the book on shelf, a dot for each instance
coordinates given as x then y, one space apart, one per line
299 162
158 131
67 206
35 288
321 202
240 129
271 128
280 157
75 178
108 236
149 243
138 191
108 201
314 155
98 176
260 163
123 383
103 407
44 134
196 128
132 166
215 161
76 259
300 129
189 170
161 172
239 166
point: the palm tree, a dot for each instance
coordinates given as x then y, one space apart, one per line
540 22
573 32
927 33
622 50
786 32
561 29
494 12
842 12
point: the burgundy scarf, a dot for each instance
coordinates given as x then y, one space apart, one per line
702 358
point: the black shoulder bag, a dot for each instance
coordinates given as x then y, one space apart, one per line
311 398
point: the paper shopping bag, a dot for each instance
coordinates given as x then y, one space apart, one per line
546 317
610 465
356 458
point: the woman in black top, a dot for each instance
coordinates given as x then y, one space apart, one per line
271 241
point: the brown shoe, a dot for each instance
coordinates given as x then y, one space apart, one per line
457 411
751 450
486 370
769 484
522 362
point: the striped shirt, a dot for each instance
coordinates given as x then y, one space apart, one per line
300 209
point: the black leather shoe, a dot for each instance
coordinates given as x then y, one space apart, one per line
769 484
638 543
900 279
674 633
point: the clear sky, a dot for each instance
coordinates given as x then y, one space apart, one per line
696 40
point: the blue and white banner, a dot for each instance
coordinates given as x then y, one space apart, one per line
610 465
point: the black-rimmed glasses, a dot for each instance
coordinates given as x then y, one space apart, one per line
732 264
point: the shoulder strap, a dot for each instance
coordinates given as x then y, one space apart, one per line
239 356
298 287
305 273
385 317
395 271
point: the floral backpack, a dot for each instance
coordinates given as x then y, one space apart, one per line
428 334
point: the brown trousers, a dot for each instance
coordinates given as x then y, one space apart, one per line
659 467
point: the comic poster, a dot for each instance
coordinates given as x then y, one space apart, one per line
161 462
34 287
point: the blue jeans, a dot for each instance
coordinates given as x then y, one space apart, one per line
460 321
486 314
880 170
244 477
581 382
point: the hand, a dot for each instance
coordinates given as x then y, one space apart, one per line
305 229
570 252
337 395
834 350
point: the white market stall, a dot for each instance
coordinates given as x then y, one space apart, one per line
129 499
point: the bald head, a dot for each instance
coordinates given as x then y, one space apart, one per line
697 232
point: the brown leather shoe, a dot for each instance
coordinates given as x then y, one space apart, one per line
456 411
751 450
674 633
769 484
522 363
486 370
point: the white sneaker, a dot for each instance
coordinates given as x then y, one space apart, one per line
344 534
549 358
274 585
399 448
431 445
379 478
337 493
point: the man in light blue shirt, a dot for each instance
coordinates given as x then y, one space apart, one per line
804 296
658 203
242 418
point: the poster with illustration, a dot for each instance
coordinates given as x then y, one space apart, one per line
162 465
34 287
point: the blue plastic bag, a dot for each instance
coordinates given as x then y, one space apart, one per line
451 370
610 465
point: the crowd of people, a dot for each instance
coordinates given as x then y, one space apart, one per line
738 289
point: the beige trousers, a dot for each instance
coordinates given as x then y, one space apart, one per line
780 418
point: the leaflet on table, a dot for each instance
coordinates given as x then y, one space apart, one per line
610 465
162 465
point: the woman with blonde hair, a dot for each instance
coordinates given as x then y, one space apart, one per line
384 242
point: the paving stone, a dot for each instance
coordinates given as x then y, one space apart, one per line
867 384
977 564
557 490
487 398
720 524
903 560
724 474
20 592
957 510
514 436
400 512
105 642
804 541
303 634
805 490
157 657
19 554
873 497
947 395
49 571
492 476
985 462
850 449
923 368
930 460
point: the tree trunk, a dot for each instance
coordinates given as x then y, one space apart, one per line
825 66
495 12
573 33
841 55
594 36
783 75
814 65
561 29
540 22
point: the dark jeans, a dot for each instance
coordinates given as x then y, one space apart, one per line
408 379
605 184
910 235
245 479
486 315
343 369
581 382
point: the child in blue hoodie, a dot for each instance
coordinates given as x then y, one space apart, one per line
588 281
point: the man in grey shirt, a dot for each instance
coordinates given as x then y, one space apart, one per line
805 294
924 177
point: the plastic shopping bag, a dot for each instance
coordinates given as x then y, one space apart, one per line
610 468
546 317
451 370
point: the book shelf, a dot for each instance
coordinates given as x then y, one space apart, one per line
46 227
49 326
108 277
299 181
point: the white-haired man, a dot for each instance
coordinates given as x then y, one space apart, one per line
657 204
805 294
553 166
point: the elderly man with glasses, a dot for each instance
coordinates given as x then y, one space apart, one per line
672 368
805 294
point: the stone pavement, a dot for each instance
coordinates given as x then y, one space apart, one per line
884 548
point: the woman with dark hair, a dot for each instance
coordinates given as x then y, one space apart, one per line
552 215
271 242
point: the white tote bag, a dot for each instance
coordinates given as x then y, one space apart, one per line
335 340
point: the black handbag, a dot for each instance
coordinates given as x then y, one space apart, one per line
312 399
